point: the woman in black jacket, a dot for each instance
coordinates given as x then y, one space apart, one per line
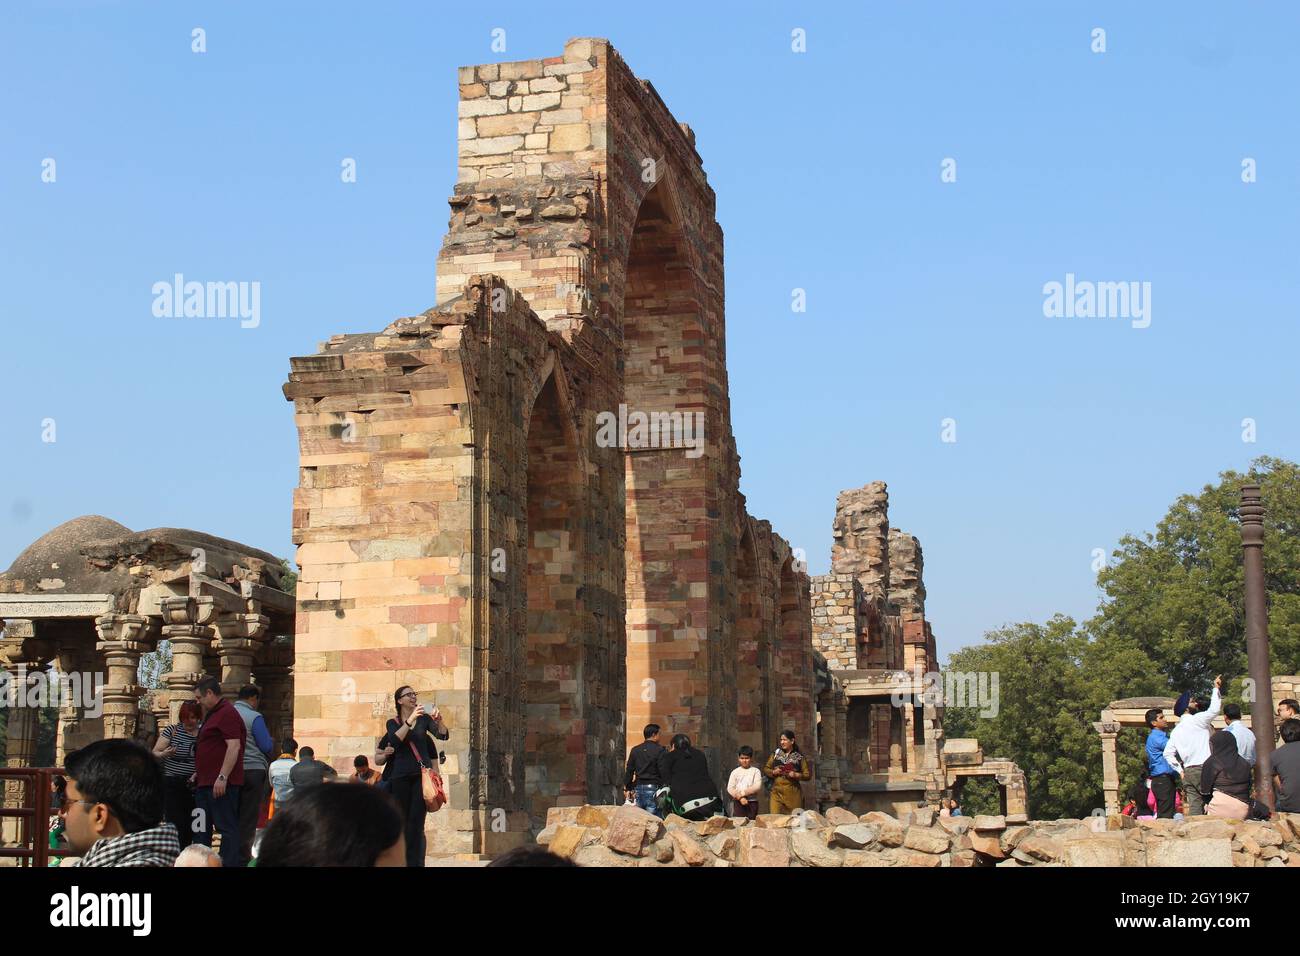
407 748
685 772
1225 779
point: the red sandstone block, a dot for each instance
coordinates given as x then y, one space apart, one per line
426 613
432 580
399 658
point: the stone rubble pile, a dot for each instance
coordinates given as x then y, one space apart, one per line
628 836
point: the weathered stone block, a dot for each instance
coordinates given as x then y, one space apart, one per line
1101 849
1041 847
688 849
1208 852
761 846
810 847
630 829
854 836
926 840
725 845
567 840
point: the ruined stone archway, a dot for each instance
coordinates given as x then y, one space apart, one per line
669 664
582 243
555 770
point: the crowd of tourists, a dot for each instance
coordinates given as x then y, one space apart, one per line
1196 770
676 779
210 775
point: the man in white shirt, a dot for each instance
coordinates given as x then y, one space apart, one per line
1189 747
1245 736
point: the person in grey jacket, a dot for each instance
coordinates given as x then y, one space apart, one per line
257 754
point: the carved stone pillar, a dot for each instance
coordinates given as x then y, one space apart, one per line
20 656
238 641
909 738
122 639
80 715
274 674
1109 765
188 626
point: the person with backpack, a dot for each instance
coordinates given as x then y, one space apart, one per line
687 788
786 768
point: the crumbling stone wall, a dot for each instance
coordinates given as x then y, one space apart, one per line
460 531
629 837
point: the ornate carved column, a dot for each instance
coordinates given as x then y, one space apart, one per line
274 674
187 624
238 639
21 655
1109 765
25 657
78 718
122 639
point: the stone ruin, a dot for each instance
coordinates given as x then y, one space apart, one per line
92 597
467 522
883 747
524 502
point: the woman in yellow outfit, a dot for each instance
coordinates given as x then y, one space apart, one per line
785 768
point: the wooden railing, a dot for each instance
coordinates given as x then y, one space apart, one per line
34 815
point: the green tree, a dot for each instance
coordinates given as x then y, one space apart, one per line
1053 681
1172 617
1178 593
289 578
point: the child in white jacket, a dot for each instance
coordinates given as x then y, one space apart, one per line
745 785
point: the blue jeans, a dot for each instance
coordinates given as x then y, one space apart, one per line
644 794
220 814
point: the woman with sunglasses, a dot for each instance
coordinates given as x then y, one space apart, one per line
408 746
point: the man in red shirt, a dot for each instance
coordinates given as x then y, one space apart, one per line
218 769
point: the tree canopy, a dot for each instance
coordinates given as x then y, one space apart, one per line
1171 618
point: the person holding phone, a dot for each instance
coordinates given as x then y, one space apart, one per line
175 747
407 747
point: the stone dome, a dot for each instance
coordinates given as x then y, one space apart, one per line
56 556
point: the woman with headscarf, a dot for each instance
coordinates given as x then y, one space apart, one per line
684 771
786 768
1225 779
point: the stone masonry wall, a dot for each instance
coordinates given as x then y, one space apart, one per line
835 599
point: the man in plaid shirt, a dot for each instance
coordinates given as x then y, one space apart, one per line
114 807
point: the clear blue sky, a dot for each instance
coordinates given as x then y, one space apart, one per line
924 298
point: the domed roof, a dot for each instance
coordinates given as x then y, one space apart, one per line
56 555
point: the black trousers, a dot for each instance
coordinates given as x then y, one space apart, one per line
409 794
178 808
1163 787
251 795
